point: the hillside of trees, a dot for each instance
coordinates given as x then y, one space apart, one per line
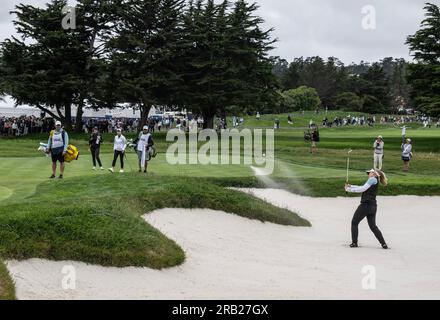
386 86
379 87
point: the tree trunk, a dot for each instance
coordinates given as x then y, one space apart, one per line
67 117
224 113
79 117
145 111
208 121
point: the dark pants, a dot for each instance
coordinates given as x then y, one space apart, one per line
368 211
115 158
95 156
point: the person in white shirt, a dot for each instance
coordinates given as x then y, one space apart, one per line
378 153
143 148
407 154
120 144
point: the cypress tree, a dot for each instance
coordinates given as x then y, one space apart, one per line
424 76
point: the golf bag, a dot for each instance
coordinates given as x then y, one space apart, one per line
307 136
72 152
151 152
132 144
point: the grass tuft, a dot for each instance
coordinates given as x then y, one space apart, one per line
7 289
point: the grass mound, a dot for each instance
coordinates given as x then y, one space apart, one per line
97 219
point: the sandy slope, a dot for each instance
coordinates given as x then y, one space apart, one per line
232 257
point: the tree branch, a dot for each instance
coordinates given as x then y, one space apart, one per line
48 112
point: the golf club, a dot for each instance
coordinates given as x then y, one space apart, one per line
126 158
348 166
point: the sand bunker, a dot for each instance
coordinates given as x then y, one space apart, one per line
229 257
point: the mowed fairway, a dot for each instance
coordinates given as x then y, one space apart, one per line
95 217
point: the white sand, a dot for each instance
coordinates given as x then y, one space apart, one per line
229 257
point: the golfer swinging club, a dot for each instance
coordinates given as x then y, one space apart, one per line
368 206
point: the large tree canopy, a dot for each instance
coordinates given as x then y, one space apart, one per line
424 76
50 67
302 98
145 55
203 56
228 63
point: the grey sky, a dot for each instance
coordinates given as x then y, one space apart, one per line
334 27
319 27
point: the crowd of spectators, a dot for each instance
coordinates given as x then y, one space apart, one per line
23 125
372 120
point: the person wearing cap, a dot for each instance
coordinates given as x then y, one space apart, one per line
119 146
378 153
143 148
406 154
57 147
95 142
368 206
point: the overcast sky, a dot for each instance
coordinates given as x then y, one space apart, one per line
320 27
335 28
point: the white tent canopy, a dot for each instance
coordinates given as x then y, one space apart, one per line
88 113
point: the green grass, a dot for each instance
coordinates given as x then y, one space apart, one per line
7 289
300 120
95 217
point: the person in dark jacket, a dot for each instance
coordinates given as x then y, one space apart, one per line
95 142
368 206
314 139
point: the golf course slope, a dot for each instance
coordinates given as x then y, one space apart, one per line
236 258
